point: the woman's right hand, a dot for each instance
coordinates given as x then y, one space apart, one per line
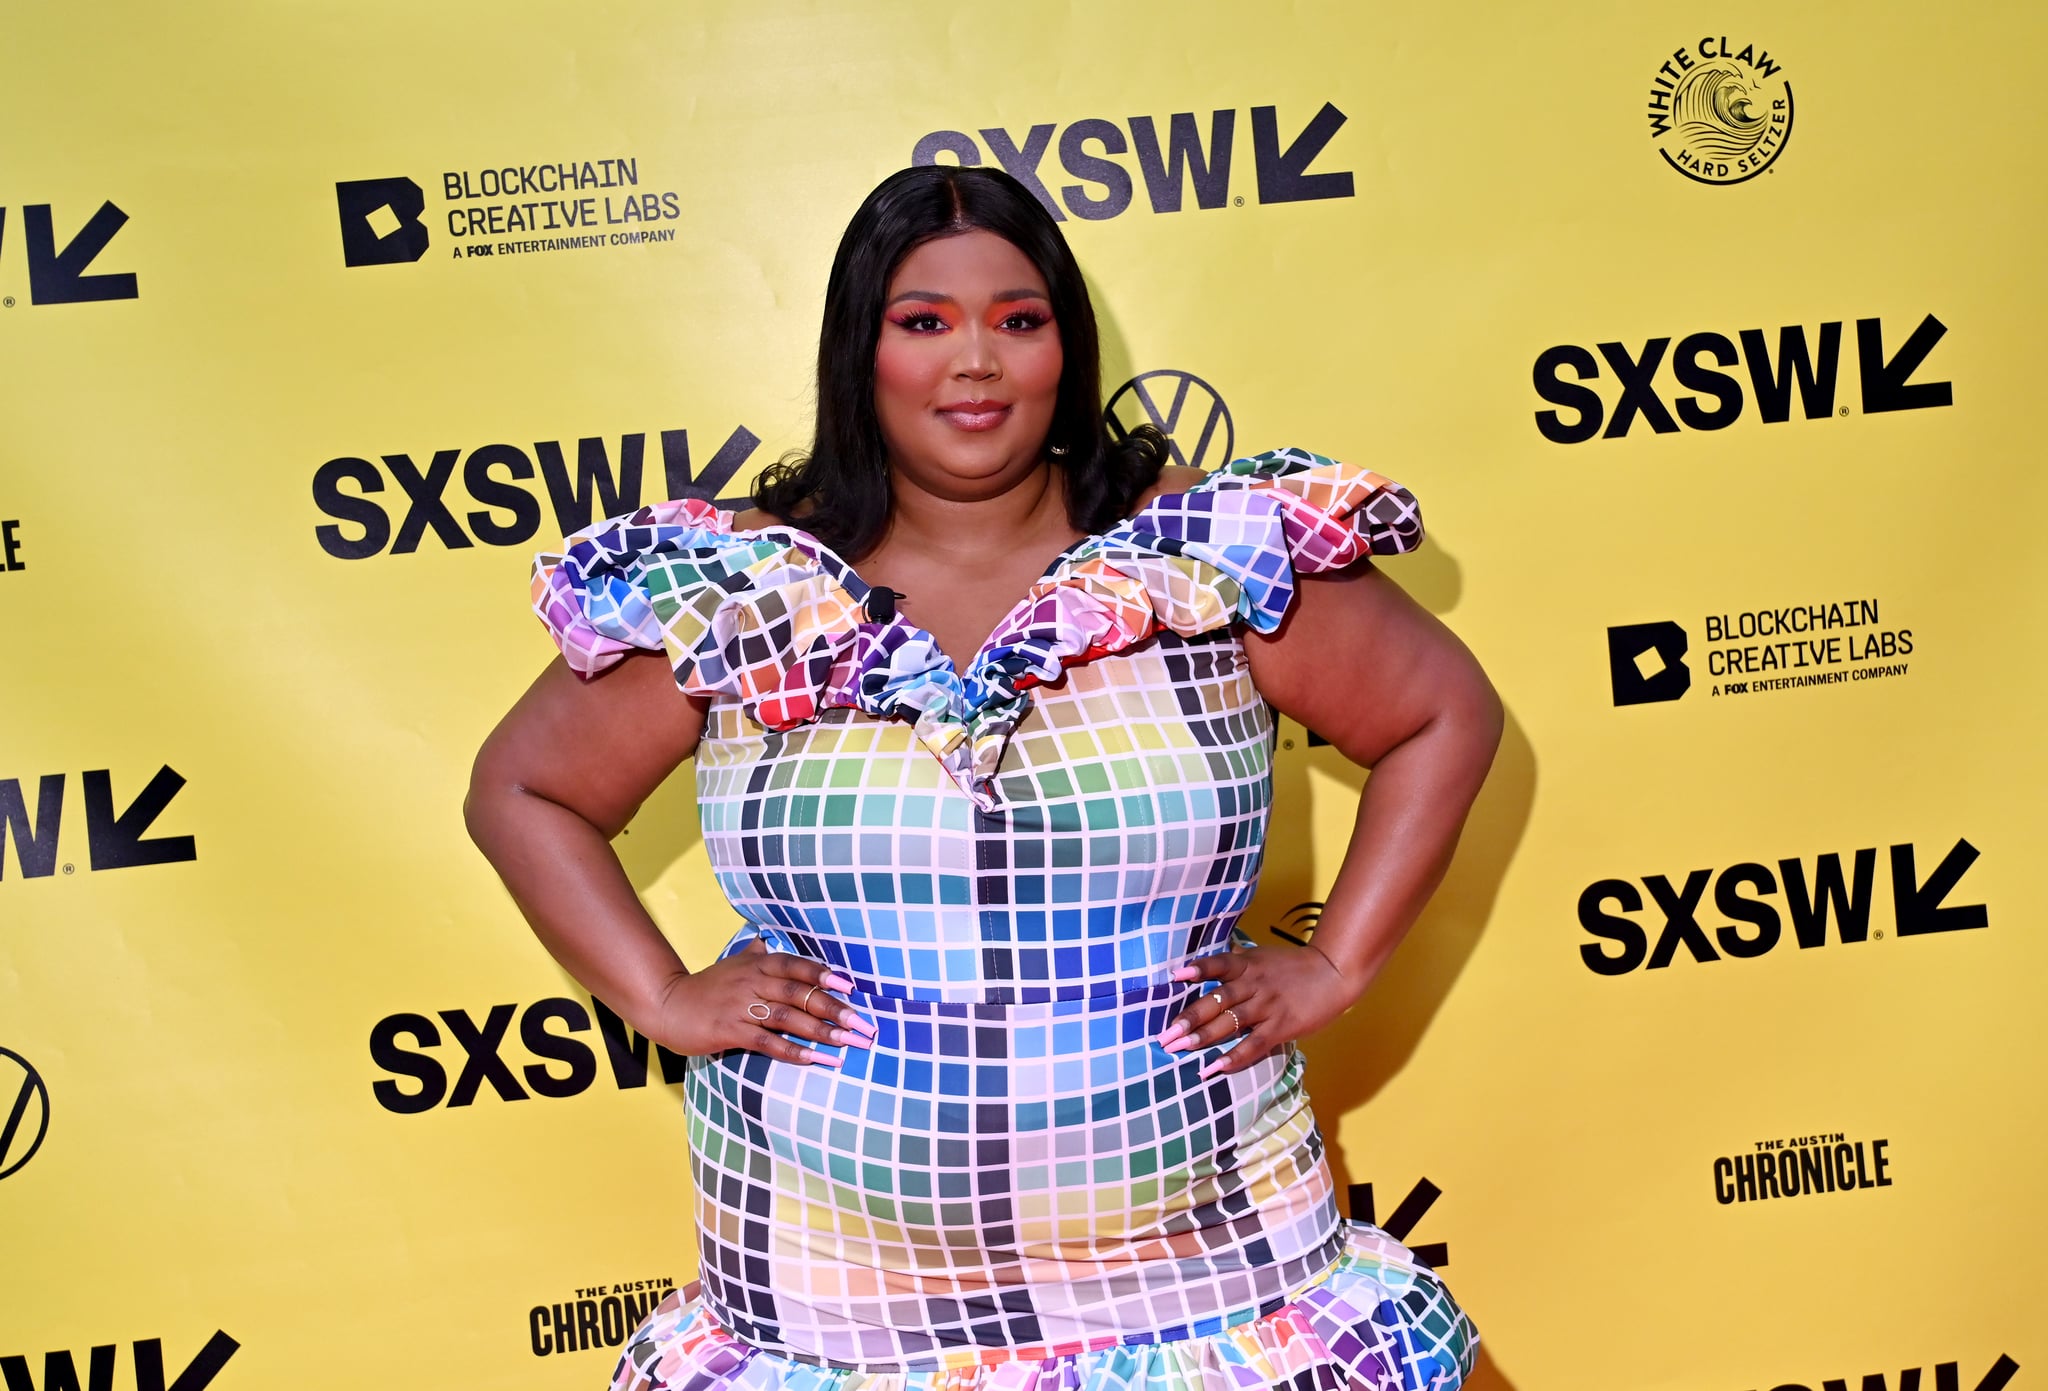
752 999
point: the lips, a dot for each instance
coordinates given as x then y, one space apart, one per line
975 415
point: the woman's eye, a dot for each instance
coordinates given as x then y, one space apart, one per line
1025 322
921 323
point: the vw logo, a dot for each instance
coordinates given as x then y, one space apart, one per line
24 1111
1184 408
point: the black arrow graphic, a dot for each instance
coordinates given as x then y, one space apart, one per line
1283 175
1885 384
1919 909
1947 1378
117 841
198 1374
1436 1255
58 277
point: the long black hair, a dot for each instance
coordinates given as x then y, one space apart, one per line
839 492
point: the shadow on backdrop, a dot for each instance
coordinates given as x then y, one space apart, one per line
1377 1038
665 830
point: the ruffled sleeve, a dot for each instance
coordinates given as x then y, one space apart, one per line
729 608
1230 548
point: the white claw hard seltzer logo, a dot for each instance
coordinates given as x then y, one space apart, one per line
1720 114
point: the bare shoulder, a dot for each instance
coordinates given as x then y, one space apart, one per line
1174 479
754 519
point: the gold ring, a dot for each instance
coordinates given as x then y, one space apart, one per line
758 1012
805 1006
1236 1024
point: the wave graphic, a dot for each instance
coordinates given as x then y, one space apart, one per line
1713 111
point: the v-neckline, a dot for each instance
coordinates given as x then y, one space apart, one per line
842 570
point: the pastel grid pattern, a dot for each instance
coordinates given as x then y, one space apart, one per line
1014 1186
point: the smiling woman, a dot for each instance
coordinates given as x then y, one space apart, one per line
986 1091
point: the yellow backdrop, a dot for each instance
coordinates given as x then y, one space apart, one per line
1717 1063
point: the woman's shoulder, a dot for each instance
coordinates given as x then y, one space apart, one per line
1174 479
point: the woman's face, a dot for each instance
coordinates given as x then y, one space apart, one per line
967 370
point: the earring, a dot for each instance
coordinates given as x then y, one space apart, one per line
1058 451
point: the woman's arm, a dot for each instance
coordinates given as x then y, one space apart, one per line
1377 675
558 778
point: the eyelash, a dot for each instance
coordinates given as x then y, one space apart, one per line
924 321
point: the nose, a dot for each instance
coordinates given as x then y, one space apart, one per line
977 356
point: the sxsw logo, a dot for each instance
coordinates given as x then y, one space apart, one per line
405 1046
114 839
1947 1377
382 221
1744 895
1171 164
1799 371
60 1368
59 277
1646 662
583 482
1180 405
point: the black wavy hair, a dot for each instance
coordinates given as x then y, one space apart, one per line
839 491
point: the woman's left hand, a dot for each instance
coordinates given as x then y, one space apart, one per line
1268 997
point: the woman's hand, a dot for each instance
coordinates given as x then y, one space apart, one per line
1269 997
752 998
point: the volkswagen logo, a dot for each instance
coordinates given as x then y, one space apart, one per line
1184 408
24 1111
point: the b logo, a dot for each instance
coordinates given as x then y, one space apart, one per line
24 1111
1184 408
380 221
1647 662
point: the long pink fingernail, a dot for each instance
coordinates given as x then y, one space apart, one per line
835 981
812 1055
854 1021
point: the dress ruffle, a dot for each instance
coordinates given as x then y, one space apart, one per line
1375 1321
773 618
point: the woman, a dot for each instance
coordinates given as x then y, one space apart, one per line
982 1093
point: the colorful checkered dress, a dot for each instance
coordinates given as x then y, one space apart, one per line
1015 1187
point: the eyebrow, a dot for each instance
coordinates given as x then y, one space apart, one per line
934 297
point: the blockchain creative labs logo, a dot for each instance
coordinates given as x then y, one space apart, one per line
1802 1166
507 210
1828 642
1180 405
1719 114
600 1316
24 1111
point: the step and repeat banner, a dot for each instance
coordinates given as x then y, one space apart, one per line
1708 337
